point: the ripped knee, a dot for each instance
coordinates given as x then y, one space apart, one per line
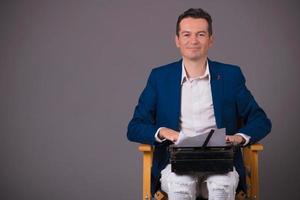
222 186
182 190
220 191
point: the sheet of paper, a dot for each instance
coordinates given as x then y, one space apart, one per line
217 139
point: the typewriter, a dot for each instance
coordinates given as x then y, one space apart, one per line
208 159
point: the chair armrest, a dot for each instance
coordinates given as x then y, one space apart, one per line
256 147
145 148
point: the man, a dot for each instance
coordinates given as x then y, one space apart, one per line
193 96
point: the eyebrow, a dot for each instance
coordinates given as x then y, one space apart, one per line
196 32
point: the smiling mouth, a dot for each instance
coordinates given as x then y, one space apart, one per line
193 48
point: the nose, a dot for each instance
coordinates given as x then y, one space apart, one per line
194 39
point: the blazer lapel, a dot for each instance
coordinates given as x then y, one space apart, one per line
216 82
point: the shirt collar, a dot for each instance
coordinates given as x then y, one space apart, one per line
184 75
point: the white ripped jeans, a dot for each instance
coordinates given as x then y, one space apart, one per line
188 187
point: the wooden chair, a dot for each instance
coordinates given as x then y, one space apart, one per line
251 166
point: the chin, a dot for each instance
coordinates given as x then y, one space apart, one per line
193 58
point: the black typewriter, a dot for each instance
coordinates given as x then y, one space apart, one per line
207 159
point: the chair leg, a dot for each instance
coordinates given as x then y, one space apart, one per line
251 164
147 162
147 151
254 176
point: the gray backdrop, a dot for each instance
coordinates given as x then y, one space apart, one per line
71 73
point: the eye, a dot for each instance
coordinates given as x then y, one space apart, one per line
201 34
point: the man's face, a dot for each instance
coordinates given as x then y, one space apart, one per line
193 40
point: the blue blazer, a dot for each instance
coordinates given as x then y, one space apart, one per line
159 106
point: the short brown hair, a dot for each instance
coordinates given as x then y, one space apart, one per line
195 13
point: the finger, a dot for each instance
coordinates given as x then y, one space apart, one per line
172 139
230 139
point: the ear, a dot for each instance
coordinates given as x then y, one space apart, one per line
211 40
177 41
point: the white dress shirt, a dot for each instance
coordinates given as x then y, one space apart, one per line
197 112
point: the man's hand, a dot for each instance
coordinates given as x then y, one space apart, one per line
169 134
235 139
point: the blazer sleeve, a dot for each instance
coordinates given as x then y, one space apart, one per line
256 123
142 127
